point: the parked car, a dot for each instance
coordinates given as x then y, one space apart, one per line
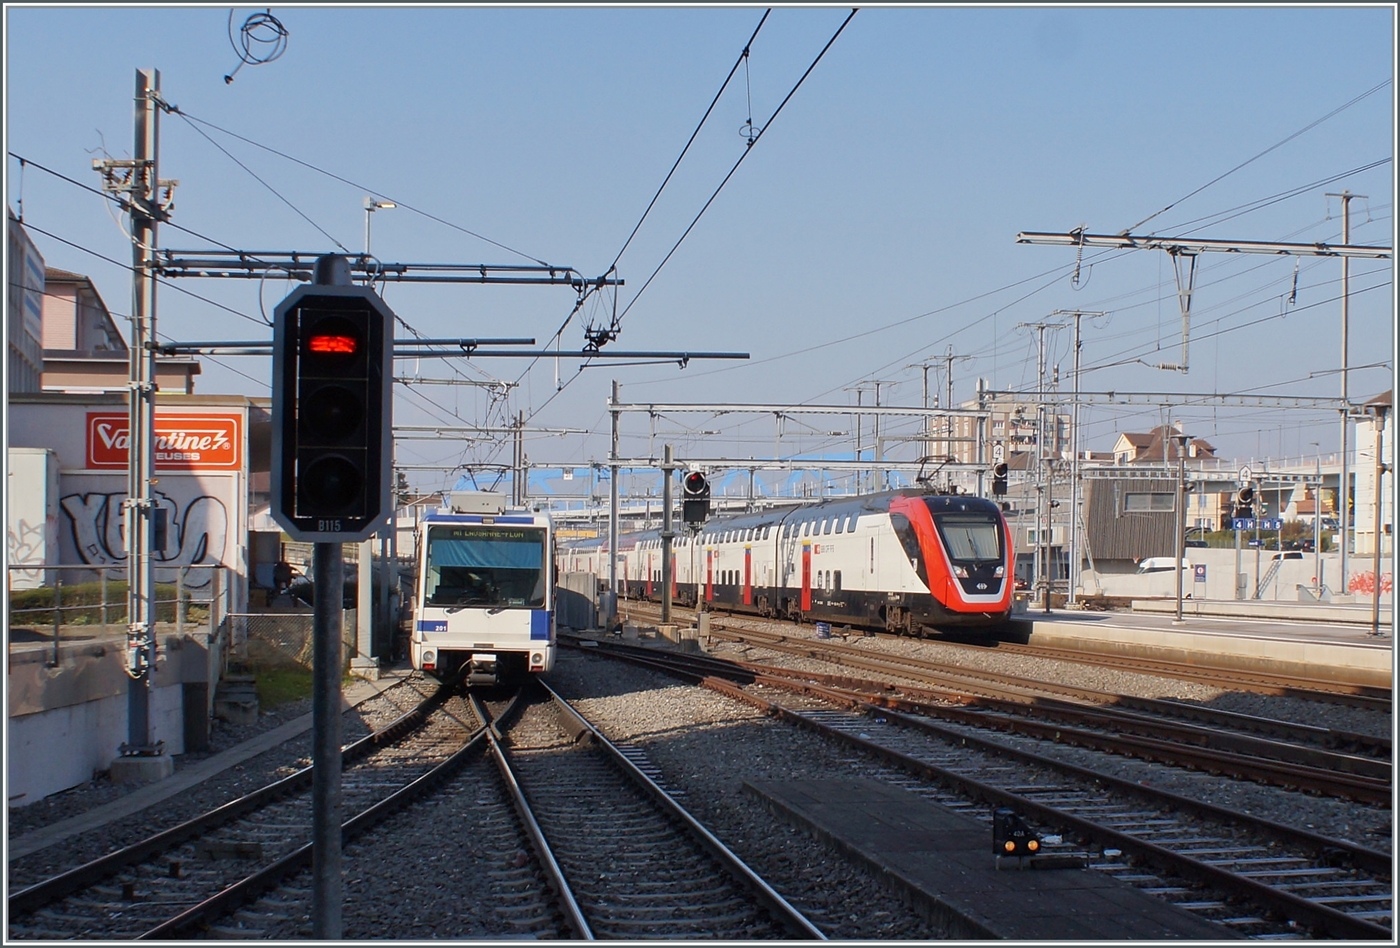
1159 564
1289 555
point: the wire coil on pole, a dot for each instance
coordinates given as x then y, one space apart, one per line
261 39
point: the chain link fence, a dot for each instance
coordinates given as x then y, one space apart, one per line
266 641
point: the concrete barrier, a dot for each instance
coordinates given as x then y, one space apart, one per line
66 722
1368 663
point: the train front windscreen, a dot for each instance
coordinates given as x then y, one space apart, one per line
975 543
484 566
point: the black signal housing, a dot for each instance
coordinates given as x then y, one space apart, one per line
695 497
331 413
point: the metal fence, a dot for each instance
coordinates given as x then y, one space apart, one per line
278 640
83 601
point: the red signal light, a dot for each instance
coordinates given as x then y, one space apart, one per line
337 345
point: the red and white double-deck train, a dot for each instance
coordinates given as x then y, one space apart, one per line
906 561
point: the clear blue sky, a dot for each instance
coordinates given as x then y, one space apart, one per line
871 227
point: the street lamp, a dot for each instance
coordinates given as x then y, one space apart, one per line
371 205
1181 440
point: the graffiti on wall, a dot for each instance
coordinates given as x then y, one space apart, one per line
28 543
1365 583
196 533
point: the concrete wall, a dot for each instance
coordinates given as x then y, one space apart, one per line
1220 567
66 723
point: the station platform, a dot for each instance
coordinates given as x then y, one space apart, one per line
1306 640
943 862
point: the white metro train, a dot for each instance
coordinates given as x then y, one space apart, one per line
485 596
907 561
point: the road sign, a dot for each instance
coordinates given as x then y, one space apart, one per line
999 452
1200 574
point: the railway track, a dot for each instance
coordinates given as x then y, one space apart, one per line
1252 680
1258 878
558 791
625 855
175 882
1353 766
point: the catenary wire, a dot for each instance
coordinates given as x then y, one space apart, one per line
617 321
406 206
278 194
1306 128
743 56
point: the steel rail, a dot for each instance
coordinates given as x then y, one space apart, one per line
249 888
554 873
1236 755
1260 682
1366 696
1321 917
1373 777
80 877
699 667
782 910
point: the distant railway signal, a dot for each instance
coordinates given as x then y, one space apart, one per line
1011 836
999 472
695 497
333 350
1244 503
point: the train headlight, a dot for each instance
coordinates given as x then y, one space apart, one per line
536 658
429 659
1001 571
960 572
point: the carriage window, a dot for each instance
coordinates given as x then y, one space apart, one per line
840 523
851 522
765 532
836 581
826 525
806 527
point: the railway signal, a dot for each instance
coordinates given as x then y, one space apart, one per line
1244 502
999 472
1011 836
695 497
332 371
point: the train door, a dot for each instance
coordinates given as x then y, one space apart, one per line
748 575
709 575
806 597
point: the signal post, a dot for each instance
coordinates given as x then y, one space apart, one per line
332 376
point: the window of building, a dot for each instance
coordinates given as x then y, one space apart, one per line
1149 503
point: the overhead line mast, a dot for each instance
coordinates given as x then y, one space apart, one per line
1184 250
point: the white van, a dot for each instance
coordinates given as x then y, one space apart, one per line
1160 564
